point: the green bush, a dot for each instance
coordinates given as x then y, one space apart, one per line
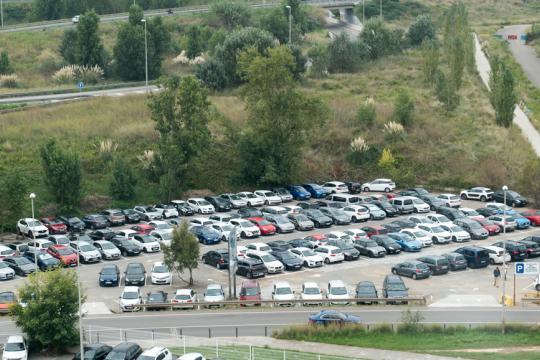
421 29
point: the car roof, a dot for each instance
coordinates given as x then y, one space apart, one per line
131 289
214 286
124 345
282 284
310 284
15 339
492 247
184 291
250 283
156 350
336 283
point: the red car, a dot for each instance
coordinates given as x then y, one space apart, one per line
55 226
375 230
490 226
390 196
66 255
144 229
533 215
266 227
251 291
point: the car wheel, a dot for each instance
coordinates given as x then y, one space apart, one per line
249 204
243 235
124 253
305 264
317 225
199 211
492 262
266 202
394 271
463 197
224 238
366 189
454 239
249 275
435 240
387 190
371 217
205 260
483 198
327 261
218 266
414 276
18 231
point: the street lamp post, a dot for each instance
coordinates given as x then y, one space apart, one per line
363 12
145 55
290 23
380 8
32 197
79 296
2 12
503 309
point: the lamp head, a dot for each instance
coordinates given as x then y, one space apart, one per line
143 20
288 7
32 196
505 188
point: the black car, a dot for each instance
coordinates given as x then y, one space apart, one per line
109 275
533 238
95 221
290 261
512 198
456 261
437 264
451 213
131 216
20 264
279 245
301 243
135 274
413 269
81 237
126 246
318 218
392 227
369 248
418 191
94 352
73 223
433 201
476 257
354 187
349 251
250 268
365 289
389 244
517 251
248 212
183 208
125 351
404 223
308 205
218 258
44 261
156 297
385 206
103 234
338 216
487 212
533 248
220 204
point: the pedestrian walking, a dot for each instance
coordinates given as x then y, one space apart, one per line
496 276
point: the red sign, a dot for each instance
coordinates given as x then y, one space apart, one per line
512 37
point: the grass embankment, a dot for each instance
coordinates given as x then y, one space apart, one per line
426 340
519 355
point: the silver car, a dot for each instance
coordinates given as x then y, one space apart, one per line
301 222
236 201
282 224
213 293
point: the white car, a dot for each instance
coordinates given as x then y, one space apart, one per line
330 254
251 198
160 274
292 209
356 234
311 294
385 185
107 249
272 264
268 197
184 299
148 213
258 246
201 221
357 212
496 254
201 206
420 206
337 290
225 230
477 193
213 293
147 243
163 237
59 239
5 252
309 257
335 187
450 200
275 210
76 19
283 293
241 251
420 219
338 235
438 234
440 219
15 348
128 233
156 353
471 213
161 225
87 253
31 228
39 245
6 273
168 211
419 235
191 356
246 228
236 201
283 193
130 298
505 224
458 234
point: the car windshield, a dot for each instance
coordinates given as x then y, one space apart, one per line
284 291
251 291
146 239
422 266
513 193
301 217
474 225
251 196
214 292
370 244
155 297
130 295
286 255
166 236
86 248
65 251
263 222
108 271
34 223
235 197
162 226
418 201
22 261
227 228
6 298
418 234
182 297
44 257
339 290
107 246
308 253
280 220
14 347
312 291
268 258
245 224
3 265
161 269
455 229
437 229
396 287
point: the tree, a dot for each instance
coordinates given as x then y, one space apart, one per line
276 110
68 46
456 61
345 55
387 162
48 9
159 41
380 40
403 108
277 23
528 180
62 175
123 181
212 74
13 195
184 251
181 113
75 7
50 317
5 65
196 40
90 50
230 14
136 14
421 29
320 59
503 97
446 91
430 60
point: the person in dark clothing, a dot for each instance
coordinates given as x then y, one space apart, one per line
496 276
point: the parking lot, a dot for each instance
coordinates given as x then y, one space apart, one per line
437 288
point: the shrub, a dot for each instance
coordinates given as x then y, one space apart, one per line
73 73
5 65
366 113
48 62
181 58
403 108
359 145
421 29
9 81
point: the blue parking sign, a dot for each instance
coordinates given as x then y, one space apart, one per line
520 268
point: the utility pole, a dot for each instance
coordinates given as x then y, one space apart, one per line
290 23
145 55
2 12
79 295
32 197
380 8
505 189
363 12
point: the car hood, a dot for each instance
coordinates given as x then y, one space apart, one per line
312 297
397 293
129 301
111 251
214 298
7 271
93 253
284 297
14 355
332 296
108 277
161 275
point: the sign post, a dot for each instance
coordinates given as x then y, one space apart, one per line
80 85
233 252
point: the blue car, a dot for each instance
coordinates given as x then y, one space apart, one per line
521 222
298 192
328 317
316 191
407 243
205 235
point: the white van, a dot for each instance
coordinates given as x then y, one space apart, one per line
347 199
